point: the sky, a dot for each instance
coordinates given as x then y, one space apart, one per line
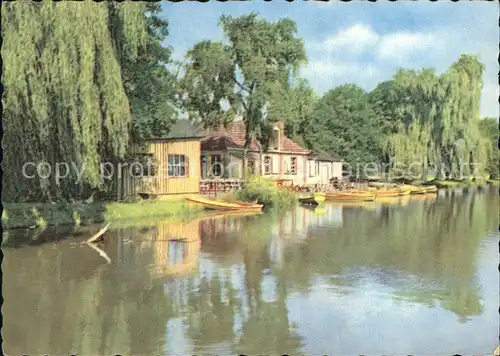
361 42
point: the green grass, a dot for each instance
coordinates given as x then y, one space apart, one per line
40 215
178 208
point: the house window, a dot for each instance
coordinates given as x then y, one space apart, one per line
268 165
216 165
177 166
292 167
251 167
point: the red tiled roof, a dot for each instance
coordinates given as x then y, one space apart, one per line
234 137
291 146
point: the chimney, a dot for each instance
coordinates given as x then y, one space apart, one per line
281 126
279 129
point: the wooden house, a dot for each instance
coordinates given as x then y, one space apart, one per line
163 167
177 164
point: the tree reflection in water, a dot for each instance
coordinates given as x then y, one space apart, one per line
228 279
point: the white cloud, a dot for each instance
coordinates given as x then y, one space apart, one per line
325 74
359 54
355 39
400 45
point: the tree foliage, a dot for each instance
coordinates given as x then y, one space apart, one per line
343 123
489 128
244 78
82 80
150 86
438 118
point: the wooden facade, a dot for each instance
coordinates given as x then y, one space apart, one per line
176 169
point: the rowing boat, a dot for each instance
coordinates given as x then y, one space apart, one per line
404 192
351 196
388 193
430 189
308 201
213 204
314 199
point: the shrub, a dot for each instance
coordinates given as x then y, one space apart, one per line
265 192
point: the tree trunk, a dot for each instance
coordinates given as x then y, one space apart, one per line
245 164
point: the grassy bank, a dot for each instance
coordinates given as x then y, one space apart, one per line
40 215
445 183
464 183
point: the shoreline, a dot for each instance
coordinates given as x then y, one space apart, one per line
39 216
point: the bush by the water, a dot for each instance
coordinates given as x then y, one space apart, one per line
265 192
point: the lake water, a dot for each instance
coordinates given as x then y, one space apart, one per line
417 276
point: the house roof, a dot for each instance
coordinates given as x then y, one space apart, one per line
291 146
232 136
325 158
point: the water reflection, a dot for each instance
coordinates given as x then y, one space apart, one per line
266 284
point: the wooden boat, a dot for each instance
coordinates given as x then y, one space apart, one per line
388 193
314 199
430 189
213 204
351 196
404 192
412 189
308 201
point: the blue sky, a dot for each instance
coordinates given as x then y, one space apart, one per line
362 42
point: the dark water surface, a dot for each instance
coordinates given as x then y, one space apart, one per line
419 277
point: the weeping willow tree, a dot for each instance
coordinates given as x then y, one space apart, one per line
457 129
439 119
64 99
412 143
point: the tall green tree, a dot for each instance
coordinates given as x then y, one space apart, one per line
238 79
415 110
344 123
437 118
489 128
64 97
150 86
457 129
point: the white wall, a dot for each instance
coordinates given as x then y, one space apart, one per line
337 170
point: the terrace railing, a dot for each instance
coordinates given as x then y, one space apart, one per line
214 186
